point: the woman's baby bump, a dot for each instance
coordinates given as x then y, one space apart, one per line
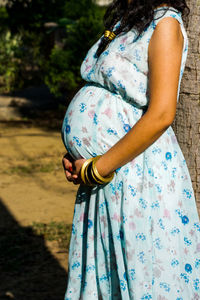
95 120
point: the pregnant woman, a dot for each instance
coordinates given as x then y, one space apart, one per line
136 230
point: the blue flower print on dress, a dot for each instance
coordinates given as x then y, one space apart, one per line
155 204
185 277
143 203
146 297
165 286
175 230
185 220
122 285
157 243
105 53
187 241
90 268
160 223
187 193
142 88
137 54
188 268
89 76
168 155
110 71
77 140
141 257
129 275
151 172
156 150
196 284
76 265
159 188
174 172
174 262
121 47
132 189
83 107
67 129
104 277
163 163
95 119
140 236
111 131
90 223
197 226
127 127
197 263
73 229
139 170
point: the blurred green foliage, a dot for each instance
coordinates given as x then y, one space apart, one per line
33 54
9 47
82 31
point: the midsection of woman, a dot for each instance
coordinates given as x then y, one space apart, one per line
95 120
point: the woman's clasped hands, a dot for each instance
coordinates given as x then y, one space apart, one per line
72 168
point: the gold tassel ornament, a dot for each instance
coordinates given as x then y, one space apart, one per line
110 34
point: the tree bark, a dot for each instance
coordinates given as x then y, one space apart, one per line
187 122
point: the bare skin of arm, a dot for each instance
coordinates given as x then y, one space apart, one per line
164 59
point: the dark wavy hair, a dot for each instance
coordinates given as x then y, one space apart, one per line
138 14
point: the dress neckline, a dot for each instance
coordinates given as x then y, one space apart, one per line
164 7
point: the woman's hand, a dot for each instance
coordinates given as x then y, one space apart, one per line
72 168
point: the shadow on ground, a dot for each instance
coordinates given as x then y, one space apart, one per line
28 271
33 105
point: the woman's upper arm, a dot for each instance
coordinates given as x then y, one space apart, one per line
164 60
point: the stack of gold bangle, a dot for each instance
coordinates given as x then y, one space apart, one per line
90 175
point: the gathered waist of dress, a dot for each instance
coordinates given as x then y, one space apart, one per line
117 94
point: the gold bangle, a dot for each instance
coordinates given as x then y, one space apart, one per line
88 181
94 173
98 176
84 173
83 168
95 178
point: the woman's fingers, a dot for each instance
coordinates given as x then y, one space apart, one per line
67 164
72 168
69 176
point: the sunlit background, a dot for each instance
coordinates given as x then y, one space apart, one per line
42 44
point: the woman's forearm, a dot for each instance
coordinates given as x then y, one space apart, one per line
143 134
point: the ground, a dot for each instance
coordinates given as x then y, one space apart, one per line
36 210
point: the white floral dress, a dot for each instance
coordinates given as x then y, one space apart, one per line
137 237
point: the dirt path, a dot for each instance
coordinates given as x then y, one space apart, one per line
33 189
33 186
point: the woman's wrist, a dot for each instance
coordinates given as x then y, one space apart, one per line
103 168
90 175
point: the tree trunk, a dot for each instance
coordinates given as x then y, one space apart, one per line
187 122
